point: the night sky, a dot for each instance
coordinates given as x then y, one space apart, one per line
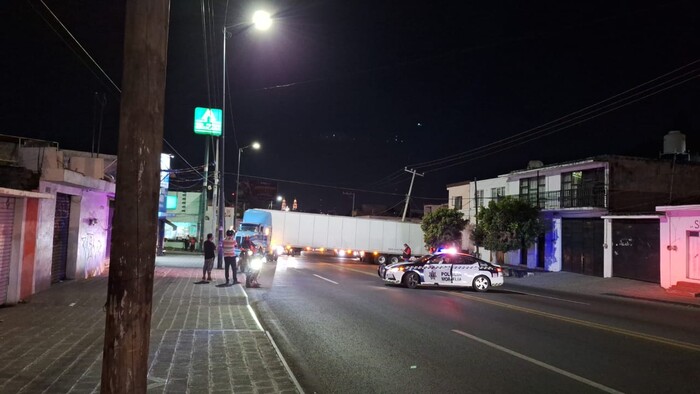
343 95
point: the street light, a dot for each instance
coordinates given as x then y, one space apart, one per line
279 199
262 21
256 146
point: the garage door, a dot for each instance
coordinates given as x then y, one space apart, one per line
582 246
7 217
636 249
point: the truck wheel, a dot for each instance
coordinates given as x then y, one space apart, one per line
381 259
394 259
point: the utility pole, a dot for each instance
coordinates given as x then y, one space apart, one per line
135 226
352 212
476 213
408 196
204 200
215 193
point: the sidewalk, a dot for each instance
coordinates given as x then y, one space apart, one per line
584 284
204 338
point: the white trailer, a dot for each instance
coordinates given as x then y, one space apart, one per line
378 240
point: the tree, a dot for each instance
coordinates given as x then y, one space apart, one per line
507 224
442 227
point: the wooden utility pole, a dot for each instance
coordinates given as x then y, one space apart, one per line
130 288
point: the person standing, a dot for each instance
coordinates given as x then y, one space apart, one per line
229 246
193 241
406 252
209 255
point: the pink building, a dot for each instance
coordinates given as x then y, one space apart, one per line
680 248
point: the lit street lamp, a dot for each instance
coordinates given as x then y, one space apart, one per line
255 146
262 21
279 199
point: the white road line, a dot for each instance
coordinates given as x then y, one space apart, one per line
326 279
539 363
284 363
555 298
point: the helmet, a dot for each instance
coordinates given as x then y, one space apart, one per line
229 233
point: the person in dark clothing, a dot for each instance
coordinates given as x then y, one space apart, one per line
209 256
406 252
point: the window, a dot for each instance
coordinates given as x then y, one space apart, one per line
533 190
583 188
497 193
458 202
480 198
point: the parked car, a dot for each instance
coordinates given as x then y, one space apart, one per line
444 269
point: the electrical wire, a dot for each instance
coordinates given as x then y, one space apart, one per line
555 130
559 124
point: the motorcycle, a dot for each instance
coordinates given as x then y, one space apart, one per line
251 266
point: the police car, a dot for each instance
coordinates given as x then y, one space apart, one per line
444 269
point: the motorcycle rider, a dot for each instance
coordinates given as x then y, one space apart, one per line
254 272
248 249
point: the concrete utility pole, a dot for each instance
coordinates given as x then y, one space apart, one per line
476 214
130 286
204 200
408 196
352 212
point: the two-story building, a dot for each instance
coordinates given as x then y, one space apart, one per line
599 211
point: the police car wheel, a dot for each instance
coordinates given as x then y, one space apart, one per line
481 283
411 280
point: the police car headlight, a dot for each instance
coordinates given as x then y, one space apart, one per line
395 269
250 253
256 264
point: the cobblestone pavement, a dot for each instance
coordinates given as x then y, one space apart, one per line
204 339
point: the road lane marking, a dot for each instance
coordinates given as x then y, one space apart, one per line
553 298
326 279
603 327
340 267
539 363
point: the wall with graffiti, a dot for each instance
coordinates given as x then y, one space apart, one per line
93 229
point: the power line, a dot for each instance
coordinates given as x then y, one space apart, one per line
559 124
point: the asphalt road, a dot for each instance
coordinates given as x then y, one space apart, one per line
342 330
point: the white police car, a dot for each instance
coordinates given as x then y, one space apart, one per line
444 269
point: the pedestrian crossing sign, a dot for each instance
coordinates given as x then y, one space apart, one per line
207 121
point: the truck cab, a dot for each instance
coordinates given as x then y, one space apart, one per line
257 225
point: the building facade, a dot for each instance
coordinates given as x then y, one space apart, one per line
679 247
599 212
56 214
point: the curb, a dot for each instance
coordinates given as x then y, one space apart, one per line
677 303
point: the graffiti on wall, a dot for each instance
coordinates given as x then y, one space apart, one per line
93 251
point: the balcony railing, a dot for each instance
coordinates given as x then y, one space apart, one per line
560 199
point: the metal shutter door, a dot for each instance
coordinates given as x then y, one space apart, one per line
7 219
60 238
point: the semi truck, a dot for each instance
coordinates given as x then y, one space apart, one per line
370 239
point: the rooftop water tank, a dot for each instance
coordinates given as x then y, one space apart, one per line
674 143
533 164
